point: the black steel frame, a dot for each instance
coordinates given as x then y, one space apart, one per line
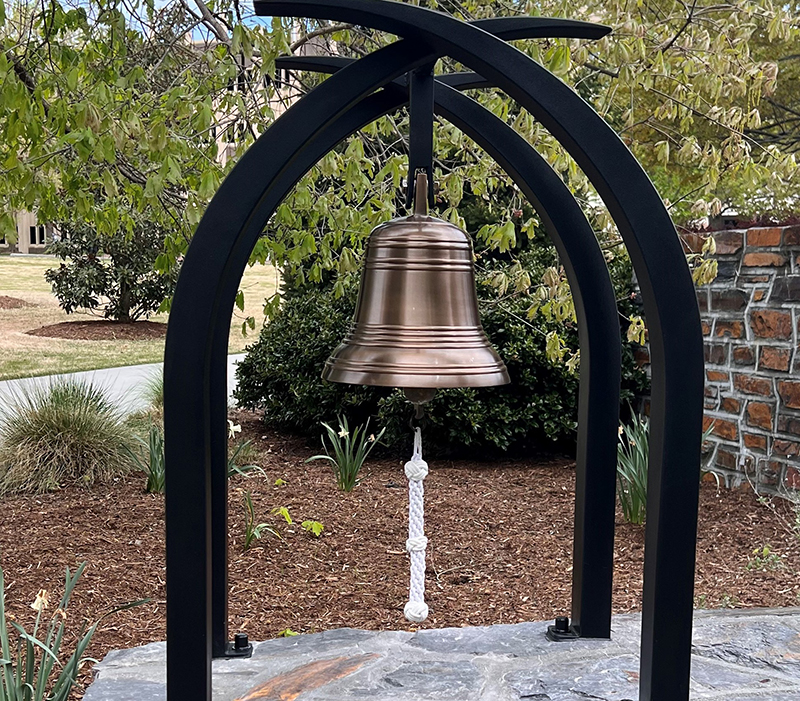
597 324
195 393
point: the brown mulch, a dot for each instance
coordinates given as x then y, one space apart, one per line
102 330
499 551
7 302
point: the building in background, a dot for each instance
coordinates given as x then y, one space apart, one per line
32 236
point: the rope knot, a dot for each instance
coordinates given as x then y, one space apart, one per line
417 543
416 611
416 469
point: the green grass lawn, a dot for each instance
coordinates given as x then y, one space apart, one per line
22 355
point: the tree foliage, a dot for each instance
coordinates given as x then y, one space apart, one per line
112 274
131 108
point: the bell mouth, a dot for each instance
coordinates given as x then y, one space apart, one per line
354 364
419 395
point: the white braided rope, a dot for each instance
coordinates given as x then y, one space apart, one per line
416 471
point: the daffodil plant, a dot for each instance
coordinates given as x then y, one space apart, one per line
31 668
350 450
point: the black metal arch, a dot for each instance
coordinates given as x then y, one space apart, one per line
194 387
600 352
670 305
599 334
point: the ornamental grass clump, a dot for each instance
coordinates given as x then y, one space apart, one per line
153 393
349 451
65 432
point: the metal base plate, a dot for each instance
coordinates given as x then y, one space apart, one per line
232 651
559 635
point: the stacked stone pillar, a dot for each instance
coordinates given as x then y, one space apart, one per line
751 314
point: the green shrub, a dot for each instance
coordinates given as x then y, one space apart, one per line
281 376
65 432
115 274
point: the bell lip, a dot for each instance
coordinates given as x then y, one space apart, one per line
491 378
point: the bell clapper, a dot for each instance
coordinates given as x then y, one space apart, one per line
419 395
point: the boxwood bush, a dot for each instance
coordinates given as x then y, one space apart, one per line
538 410
281 371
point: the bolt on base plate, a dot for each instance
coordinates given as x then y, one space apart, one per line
240 647
562 630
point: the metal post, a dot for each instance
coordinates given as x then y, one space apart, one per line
420 132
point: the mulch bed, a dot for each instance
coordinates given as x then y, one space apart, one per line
102 330
499 551
7 302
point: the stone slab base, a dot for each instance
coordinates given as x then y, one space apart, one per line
737 656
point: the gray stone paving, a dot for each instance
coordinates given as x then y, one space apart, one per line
737 656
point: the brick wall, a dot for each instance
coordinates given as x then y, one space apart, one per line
751 314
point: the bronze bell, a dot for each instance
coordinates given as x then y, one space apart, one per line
416 323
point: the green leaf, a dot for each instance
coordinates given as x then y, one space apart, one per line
109 183
208 185
506 236
72 79
158 136
8 227
283 512
560 60
662 151
313 527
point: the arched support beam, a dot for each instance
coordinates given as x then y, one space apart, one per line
673 319
185 449
194 404
205 308
598 327
598 330
599 333
333 64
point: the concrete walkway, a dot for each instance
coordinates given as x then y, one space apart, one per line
126 386
751 655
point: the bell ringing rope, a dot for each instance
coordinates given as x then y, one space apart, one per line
416 471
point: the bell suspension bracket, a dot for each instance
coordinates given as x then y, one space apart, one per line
420 131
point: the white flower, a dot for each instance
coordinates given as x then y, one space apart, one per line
42 600
344 433
233 430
